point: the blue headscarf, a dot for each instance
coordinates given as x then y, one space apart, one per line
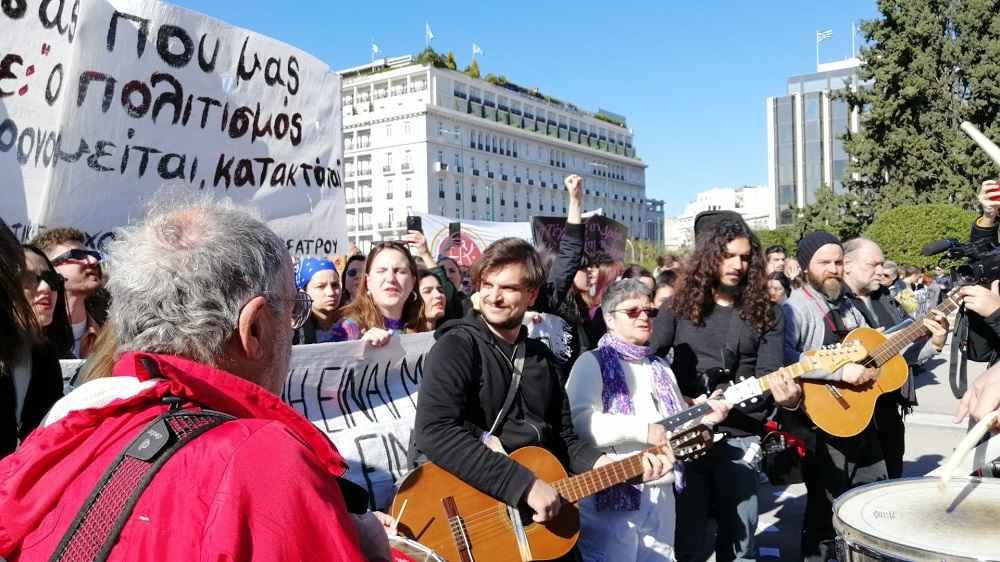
309 267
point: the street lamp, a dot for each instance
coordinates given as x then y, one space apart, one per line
461 150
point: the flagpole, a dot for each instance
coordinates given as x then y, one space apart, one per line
853 33
817 51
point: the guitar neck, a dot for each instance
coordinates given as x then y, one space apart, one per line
574 488
897 341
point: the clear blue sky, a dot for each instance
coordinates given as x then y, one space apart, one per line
691 77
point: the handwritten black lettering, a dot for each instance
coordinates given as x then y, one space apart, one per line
164 35
52 92
143 31
50 20
88 77
14 9
7 72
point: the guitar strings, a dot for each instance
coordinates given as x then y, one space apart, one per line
493 516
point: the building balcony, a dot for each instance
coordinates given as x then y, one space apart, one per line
387 169
475 172
489 104
350 200
351 228
515 203
531 181
407 194
406 167
349 173
473 197
458 196
460 95
489 175
388 195
384 225
400 224
517 179
365 227
365 144
503 177
365 172
459 169
365 199
440 167
543 184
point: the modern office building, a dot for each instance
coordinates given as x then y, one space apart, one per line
803 127
421 138
654 223
754 203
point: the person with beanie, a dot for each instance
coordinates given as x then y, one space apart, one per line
319 279
818 314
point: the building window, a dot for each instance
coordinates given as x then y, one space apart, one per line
440 156
406 127
388 189
388 130
409 188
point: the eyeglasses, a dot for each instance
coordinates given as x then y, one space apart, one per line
774 249
300 309
634 312
51 278
77 255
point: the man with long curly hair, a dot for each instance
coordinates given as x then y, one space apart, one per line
723 329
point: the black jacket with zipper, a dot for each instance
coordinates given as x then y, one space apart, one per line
466 379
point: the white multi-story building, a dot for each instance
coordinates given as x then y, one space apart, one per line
434 140
754 203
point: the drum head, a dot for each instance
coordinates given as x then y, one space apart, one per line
911 519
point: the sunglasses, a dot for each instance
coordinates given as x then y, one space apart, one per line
51 278
634 312
352 272
76 255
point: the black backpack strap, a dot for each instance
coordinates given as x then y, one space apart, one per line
99 523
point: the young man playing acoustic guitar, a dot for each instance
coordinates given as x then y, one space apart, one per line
461 423
721 318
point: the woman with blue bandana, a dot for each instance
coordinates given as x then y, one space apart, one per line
319 279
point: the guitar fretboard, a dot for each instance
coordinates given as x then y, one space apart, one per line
574 488
897 341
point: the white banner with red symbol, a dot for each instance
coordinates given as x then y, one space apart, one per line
476 235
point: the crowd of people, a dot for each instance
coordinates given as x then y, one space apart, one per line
197 309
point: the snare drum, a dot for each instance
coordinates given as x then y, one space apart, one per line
412 550
909 519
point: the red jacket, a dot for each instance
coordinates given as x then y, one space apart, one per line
261 487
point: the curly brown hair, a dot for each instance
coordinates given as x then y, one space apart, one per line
52 237
693 300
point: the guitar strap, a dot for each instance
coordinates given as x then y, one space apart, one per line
515 382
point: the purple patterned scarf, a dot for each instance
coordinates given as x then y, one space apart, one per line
617 400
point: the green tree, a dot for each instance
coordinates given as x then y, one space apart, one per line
786 236
903 231
928 65
473 69
843 215
450 63
429 57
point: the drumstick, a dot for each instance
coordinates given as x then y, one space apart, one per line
966 445
984 143
399 516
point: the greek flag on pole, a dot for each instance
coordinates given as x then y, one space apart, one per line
824 35
476 50
375 48
430 36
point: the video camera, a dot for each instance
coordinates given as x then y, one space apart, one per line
982 259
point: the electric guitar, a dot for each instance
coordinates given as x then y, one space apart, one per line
843 409
459 523
829 358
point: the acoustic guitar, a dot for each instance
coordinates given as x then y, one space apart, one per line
466 524
845 410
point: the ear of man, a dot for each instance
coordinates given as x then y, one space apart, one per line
253 331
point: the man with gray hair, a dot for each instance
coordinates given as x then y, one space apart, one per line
204 305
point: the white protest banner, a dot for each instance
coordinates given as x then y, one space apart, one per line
476 235
364 398
104 101
69 369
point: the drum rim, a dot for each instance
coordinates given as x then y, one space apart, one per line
904 552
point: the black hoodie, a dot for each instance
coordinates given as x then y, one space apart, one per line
466 378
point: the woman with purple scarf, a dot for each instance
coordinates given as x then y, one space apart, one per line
617 392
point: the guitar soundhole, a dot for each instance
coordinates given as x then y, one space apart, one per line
524 514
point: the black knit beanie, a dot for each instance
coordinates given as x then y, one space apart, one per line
812 242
